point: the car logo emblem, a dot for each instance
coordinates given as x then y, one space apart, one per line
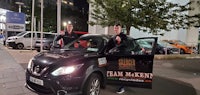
37 69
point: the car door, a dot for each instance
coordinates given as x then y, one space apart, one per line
133 66
27 40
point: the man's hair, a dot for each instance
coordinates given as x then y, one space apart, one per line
117 24
70 24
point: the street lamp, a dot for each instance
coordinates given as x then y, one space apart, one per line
69 22
20 5
64 24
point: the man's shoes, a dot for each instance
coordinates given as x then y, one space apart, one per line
120 91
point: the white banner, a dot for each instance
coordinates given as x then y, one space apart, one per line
15 27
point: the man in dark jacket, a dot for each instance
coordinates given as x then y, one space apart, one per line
68 36
118 41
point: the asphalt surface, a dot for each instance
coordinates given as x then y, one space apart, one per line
171 77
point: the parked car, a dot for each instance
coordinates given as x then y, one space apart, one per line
166 48
184 49
23 39
47 43
85 65
161 47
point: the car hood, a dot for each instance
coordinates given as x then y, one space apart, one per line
12 37
169 46
59 57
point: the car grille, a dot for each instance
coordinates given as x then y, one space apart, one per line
38 70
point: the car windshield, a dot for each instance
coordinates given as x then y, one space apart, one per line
20 34
181 43
164 44
87 44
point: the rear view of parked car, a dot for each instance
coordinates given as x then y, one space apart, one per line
166 48
184 49
47 42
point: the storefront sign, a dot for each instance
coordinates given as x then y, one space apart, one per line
15 21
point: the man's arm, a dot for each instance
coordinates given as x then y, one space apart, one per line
58 37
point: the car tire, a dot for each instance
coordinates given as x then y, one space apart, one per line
38 50
92 86
20 46
161 52
50 45
182 51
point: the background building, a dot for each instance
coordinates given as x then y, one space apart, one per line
2 19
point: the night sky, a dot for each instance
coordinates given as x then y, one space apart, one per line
81 4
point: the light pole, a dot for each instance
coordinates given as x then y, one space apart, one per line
42 6
58 16
20 6
32 23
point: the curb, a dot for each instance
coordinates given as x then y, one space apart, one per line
177 56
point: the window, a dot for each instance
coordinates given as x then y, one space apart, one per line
27 35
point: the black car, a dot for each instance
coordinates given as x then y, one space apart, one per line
166 48
161 47
85 65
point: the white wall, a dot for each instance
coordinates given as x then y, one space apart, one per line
171 35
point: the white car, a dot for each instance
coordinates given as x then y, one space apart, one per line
23 39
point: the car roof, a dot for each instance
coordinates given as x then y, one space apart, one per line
97 35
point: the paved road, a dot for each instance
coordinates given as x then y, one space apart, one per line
171 77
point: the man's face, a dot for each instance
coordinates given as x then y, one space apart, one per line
117 29
69 28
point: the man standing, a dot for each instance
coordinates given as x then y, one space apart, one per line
118 41
68 35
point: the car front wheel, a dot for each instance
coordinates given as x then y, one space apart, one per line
182 51
92 87
20 46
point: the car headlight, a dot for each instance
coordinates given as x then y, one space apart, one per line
66 70
30 64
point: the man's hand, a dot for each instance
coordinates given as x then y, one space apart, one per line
118 39
62 33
